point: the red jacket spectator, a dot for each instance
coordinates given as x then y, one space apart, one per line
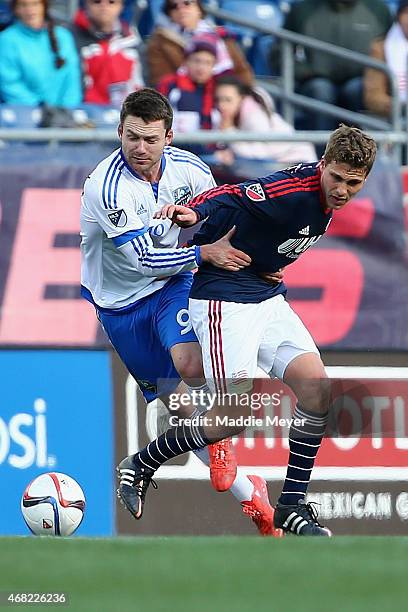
110 59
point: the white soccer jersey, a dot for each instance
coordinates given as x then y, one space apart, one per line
126 254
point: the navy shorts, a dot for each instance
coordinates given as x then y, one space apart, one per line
144 335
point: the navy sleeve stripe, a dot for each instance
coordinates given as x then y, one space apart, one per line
128 236
113 181
178 160
107 178
180 155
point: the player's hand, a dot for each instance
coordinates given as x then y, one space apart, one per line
223 255
180 215
273 278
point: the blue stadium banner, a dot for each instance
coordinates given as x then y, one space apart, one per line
56 416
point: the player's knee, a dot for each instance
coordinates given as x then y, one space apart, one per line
187 361
190 369
315 395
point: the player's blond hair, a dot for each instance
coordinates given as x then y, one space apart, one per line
351 146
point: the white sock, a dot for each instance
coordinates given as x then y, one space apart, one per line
242 488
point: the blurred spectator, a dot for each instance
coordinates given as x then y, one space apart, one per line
181 20
191 90
352 24
109 50
128 11
393 49
38 59
244 108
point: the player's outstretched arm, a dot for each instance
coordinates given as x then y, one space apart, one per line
180 215
200 207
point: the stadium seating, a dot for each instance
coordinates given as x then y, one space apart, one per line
256 46
16 116
28 117
101 116
148 12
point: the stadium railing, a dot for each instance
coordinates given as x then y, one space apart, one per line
285 89
53 136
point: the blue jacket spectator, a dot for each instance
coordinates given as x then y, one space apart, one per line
39 62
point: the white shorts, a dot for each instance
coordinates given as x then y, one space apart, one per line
236 339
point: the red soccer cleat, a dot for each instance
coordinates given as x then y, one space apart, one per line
223 464
260 509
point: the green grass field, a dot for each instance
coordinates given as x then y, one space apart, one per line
203 574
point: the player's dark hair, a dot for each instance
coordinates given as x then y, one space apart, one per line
243 90
351 146
149 105
59 61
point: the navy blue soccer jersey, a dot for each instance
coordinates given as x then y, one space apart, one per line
277 217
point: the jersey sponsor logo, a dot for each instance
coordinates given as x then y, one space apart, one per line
305 231
118 218
294 169
157 230
182 195
255 192
294 247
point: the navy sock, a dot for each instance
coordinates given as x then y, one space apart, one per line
304 443
172 443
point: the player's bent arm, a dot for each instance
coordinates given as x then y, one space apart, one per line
148 260
200 207
205 203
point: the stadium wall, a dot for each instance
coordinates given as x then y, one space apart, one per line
361 477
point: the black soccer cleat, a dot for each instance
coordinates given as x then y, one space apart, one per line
133 483
299 519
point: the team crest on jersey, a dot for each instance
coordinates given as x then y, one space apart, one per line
182 195
118 218
255 192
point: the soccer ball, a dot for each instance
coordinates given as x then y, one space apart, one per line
53 504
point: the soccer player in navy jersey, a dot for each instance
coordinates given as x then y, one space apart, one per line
243 323
138 279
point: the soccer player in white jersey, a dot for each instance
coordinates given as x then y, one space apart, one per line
139 280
